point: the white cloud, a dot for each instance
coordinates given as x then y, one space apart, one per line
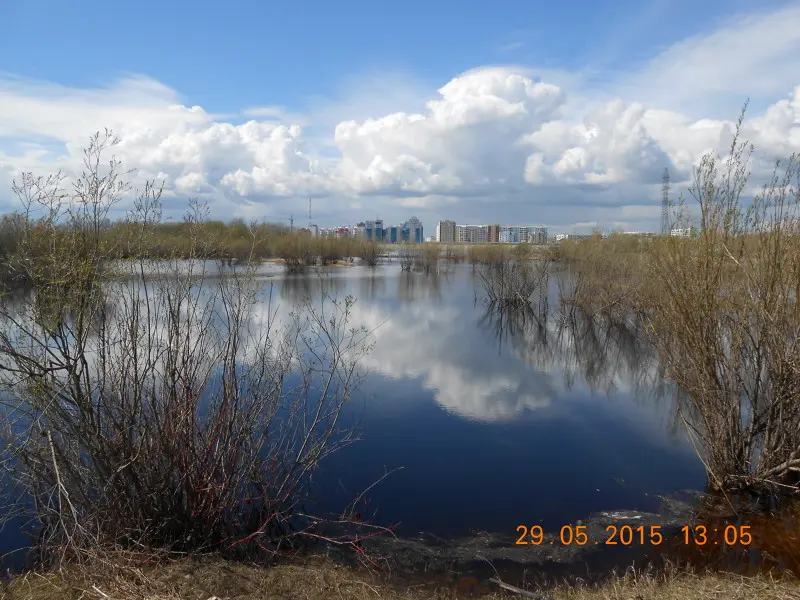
753 55
612 145
494 142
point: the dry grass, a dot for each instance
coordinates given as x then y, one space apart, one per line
686 587
317 579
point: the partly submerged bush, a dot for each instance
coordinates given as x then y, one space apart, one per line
149 405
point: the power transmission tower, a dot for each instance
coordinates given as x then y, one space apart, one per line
291 222
665 203
309 214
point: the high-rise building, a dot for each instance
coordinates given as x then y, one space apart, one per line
412 231
523 234
373 230
539 235
493 234
472 234
446 232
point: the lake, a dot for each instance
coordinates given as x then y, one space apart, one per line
495 428
492 421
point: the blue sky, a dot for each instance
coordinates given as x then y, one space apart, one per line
300 69
227 55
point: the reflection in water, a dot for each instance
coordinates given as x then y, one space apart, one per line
606 355
455 393
371 286
294 289
413 286
429 341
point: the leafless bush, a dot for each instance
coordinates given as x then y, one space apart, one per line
369 252
453 254
606 278
295 252
726 320
426 259
408 257
515 278
188 417
486 253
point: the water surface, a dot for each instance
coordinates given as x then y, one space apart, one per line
491 420
495 423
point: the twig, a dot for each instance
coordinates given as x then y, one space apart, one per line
103 594
516 590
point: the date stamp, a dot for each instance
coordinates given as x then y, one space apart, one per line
628 535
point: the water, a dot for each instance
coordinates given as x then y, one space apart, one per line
490 424
491 429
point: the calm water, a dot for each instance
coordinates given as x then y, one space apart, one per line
493 423
493 428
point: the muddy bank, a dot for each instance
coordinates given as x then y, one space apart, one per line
426 557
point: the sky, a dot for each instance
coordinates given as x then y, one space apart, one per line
514 112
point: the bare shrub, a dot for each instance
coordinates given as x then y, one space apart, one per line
146 404
369 252
453 254
296 253
486 253
605 278
515 278
426 259
408 257
330 250
728 321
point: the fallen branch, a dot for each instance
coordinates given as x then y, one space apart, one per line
510 588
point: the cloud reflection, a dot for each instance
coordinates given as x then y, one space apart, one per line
490 366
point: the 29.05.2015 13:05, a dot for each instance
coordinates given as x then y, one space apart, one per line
627 535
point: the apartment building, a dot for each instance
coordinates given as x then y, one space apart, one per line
446 232
490 234
684 232
472 234
523 234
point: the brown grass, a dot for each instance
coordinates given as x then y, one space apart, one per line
318 579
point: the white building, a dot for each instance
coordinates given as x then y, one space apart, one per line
684 232
523 234
472 234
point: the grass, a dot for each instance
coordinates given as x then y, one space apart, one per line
318 579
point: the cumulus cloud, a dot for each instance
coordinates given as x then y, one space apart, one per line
494 143
611 145
452 146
